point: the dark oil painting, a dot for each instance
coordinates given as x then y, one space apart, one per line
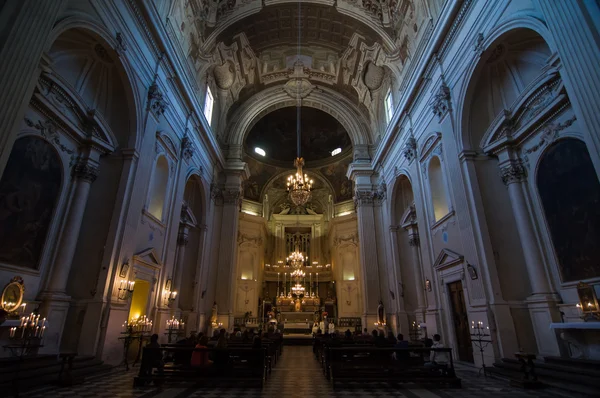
29 190
570 194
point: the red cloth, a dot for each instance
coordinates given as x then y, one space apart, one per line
199 358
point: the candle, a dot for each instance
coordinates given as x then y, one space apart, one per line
42 333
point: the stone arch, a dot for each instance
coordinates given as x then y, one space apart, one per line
274 98
133 96
468 89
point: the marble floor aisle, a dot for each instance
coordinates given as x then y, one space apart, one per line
296 375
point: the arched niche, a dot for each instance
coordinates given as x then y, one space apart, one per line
437 188
29 191
569 190
507 67
192 220
158 190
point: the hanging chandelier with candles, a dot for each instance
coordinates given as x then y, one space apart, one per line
299 185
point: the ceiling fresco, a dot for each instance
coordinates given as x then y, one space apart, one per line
276 134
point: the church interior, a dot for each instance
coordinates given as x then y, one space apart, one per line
409 187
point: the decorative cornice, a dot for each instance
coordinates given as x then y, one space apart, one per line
47 129
370 197
513 172
232 197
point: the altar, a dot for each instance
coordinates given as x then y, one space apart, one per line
581 338
300 305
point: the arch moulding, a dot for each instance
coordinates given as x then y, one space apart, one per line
275 98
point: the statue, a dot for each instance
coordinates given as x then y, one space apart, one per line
381 313
213 315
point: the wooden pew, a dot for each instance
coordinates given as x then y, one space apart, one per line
393 365
230 365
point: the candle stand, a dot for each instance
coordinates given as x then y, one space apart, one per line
174 328
480 337
25 340
138 330
414 331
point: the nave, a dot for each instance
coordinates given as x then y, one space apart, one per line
297 375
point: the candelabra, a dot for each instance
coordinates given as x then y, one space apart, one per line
479 337
415 331
175 327
137 329
125 289
28 336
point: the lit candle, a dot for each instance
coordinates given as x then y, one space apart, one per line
42 333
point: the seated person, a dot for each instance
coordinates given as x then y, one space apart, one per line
401 343
436 358
152 357
200 358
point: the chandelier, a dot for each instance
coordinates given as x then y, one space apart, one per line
299 185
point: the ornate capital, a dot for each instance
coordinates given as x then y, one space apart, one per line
370 197
232 197
410 149
187 148
513 172
84 171
413 240
440 103
156 101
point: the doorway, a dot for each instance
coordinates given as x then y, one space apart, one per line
460 321
139 300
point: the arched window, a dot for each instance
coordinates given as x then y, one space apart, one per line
29 190
389 106
438 190
570 195
159 188
208 105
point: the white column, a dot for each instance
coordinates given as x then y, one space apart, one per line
55 301
84 173
25 36
542 304
368 255
413 241
182 241
514 176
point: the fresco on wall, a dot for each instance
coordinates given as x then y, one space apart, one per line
29 191
260 174
570 194
336 174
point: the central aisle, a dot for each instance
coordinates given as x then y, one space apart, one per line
297 375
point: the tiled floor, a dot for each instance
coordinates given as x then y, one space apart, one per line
296 375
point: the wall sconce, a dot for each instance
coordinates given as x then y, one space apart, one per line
169 297
428 285
472 271
125 289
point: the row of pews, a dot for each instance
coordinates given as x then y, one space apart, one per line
345 361
239 363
